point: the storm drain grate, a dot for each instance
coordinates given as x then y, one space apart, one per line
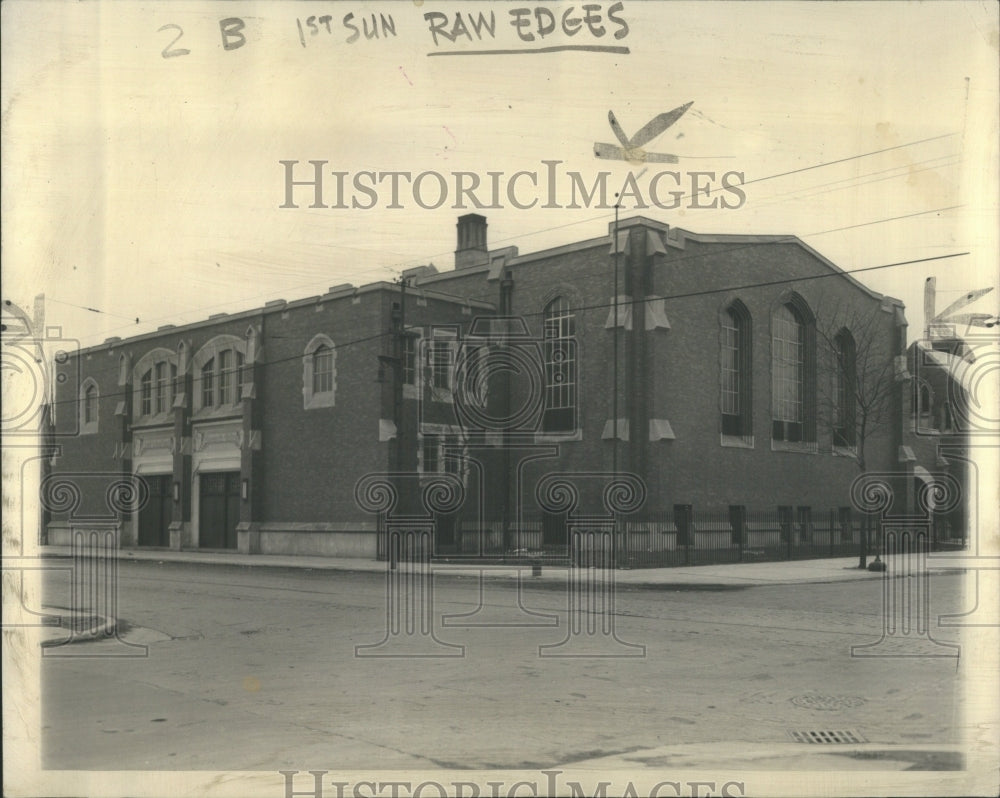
828 737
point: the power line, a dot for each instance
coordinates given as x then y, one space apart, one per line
90 309
851 158
779 240
566 225
685 295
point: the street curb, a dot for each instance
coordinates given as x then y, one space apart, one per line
543 582
105 628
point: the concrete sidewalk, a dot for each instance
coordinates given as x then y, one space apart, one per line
706 577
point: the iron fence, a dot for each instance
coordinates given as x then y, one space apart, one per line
679 537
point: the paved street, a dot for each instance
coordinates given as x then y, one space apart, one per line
256 670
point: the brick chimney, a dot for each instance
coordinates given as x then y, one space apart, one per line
471 249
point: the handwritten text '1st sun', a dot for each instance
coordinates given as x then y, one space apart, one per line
526 25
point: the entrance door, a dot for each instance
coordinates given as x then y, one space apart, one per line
154 518
218 509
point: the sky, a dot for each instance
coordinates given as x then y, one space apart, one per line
144 182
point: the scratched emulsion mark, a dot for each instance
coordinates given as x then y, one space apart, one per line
631 148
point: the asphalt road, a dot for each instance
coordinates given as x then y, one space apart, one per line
258 671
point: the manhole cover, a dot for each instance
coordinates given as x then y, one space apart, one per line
827 702
842 737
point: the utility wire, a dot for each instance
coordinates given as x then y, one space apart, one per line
578 222
779 240
685 295
92 310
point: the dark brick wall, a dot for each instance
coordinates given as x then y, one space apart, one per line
89 460
311 459
695 468
680 379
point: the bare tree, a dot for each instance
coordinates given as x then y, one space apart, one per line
856 381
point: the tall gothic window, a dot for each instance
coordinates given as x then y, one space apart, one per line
788 374
322 369
736 371
319 373
90 398
560 367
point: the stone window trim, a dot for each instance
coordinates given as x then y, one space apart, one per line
90 406
570 436
153 399
795 447
311 398
735 394
214 352
844 451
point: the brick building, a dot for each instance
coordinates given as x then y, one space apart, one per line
736 360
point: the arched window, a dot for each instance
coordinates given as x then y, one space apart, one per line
560 367
845 396
219 373
157 377
227 377
89 406
146 393
736 376
208 383
789 365
319 373
793 372
322 369
923 405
